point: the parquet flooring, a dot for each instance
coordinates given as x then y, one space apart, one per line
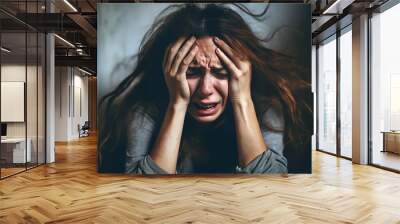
10 171
71 191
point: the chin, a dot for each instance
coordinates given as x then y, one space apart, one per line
205 120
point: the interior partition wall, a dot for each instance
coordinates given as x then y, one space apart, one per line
334 94
22 88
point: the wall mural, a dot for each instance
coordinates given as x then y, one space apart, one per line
204 88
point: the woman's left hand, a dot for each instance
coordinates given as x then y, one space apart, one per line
239 69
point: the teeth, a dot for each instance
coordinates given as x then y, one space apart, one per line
206 106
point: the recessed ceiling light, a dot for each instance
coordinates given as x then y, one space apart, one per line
64 40
337 7
70 5
5 50
84 71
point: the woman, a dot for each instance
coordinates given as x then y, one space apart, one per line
205 97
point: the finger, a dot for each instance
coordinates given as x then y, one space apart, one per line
227 61
227 50
183 51
165 59
187 60
171 52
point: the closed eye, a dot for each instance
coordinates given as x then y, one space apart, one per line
193 71
221 72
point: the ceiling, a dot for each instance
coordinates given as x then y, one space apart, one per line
76 22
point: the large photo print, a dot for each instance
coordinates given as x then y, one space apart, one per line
204 88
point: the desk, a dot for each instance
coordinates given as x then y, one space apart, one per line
13 150
391 141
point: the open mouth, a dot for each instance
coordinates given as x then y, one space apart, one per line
205 109
207 106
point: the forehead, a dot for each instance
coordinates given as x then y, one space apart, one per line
206 56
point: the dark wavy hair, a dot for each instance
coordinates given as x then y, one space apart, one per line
275 79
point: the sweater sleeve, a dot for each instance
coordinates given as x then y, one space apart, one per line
140 137
272 160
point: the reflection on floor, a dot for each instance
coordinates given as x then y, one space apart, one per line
10 171
5 172
386 159
346 152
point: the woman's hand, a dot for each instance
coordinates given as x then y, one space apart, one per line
250 140
176 62
240 72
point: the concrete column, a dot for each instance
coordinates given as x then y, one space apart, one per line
360 90
50 92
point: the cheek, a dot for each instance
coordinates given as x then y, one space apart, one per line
222 88
192 82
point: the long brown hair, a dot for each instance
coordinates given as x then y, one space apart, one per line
276 77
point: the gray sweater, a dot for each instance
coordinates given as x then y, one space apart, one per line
208 150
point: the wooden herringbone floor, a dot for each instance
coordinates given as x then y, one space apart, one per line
70 191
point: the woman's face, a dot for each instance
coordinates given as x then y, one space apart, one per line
208 83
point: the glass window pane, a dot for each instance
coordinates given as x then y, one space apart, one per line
31 97
385 89
327 96
23 86
41 98
13 86
346 94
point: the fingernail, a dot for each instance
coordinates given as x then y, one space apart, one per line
217 50
216 39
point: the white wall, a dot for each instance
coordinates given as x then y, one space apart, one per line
16 73
61 103
12 73
71 102
314 91
80 105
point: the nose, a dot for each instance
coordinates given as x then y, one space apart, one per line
206 85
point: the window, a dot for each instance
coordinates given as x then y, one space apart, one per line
385 88
327 96
346 93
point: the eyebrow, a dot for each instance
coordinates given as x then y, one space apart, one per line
213 69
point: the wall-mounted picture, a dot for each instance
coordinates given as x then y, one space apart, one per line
204 88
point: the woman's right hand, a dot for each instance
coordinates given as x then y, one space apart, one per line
177 58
